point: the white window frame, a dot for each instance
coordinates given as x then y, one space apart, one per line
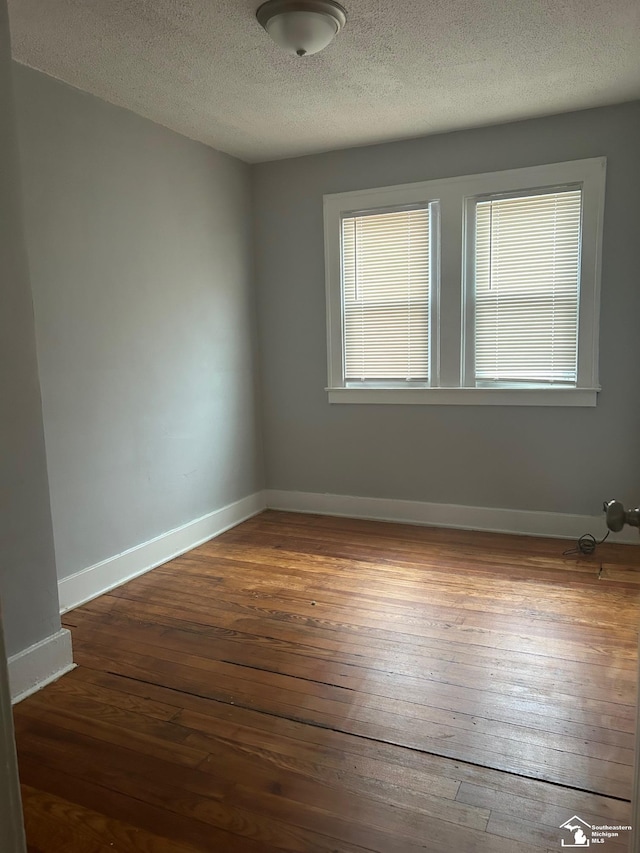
452 380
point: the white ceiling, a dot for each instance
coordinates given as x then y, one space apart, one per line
400 68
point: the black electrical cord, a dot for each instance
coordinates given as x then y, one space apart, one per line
586 544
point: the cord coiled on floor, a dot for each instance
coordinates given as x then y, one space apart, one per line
586 544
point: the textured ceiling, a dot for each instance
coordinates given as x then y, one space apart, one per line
400 68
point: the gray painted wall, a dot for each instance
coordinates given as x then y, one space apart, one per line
16 356
563 460
139 244
12 838
27 566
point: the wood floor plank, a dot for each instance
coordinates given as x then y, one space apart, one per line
316 684
375 759
260 806
207 613
508 805
358 676
176 820
554 640
53 820
365 714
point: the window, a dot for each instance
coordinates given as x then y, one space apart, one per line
527 258
474 290
385 293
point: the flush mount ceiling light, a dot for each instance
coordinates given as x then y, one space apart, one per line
302 27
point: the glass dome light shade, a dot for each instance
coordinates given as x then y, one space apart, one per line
301 28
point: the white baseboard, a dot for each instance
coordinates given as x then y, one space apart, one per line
108 574
115 571
40 664
526 522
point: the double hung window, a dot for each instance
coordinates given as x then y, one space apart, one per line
474 290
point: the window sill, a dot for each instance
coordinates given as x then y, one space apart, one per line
467 396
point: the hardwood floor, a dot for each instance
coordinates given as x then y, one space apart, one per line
316 684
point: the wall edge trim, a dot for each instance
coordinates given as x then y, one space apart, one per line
108 574
38 665
553 525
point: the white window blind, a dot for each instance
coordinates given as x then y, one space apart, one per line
385 286
527 263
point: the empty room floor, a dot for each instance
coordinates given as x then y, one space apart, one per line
311 684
